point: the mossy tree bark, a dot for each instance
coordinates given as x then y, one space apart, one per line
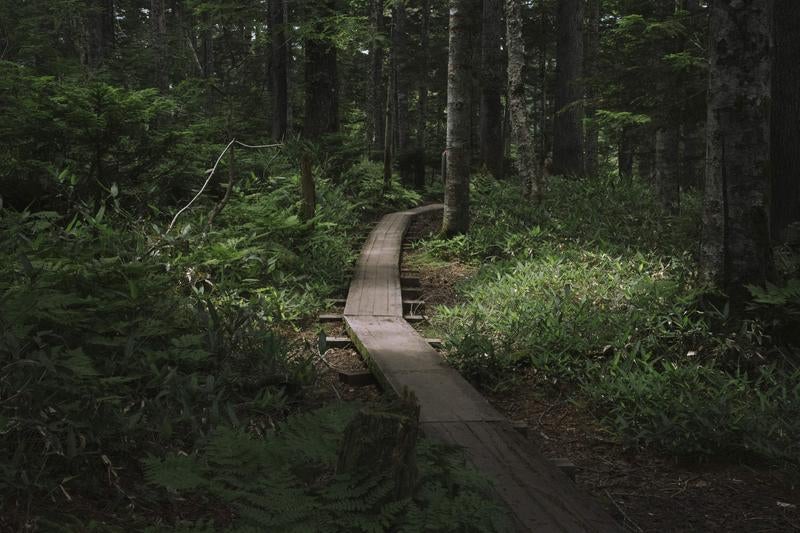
736 247
459 88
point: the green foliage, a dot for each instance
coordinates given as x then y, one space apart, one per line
287 482
597 290
364 183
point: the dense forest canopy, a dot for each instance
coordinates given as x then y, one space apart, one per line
185 184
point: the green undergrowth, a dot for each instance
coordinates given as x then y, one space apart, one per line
119 340
598 291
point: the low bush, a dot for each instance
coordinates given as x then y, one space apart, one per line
598 290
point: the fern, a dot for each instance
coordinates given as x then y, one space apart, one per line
287 482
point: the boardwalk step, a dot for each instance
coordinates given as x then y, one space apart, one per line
338 342
415 318
410 281
412 293
330 318
337 302
357 379
409 306
566 466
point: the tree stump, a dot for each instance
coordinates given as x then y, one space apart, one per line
383 441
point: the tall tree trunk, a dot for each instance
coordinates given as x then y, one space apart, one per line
158 21
308 191
459 77
377 85
736 250
491 111
568 131
207 46
422 104
100 32
280 69
518 102
667 158
322 83
625 153
786 117
402 87
591 69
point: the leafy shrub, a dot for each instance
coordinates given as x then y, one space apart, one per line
695 410
287 482
598 289
364 183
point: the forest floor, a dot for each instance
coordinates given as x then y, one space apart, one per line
643 490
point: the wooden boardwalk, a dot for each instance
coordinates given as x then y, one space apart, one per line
540 496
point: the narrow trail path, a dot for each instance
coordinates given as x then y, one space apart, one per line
540 496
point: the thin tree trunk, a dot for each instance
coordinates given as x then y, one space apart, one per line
491 110
377 86
402 77
459 77
518 103
592 58
667 158
280 70
387 136
625 154
322 83
736 250
158 22
100 32
568 131
422 105
307 190
786 117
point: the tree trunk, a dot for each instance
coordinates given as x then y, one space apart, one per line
625 154
402 78
322 83
387 135
786 117
459 77
736 250
280 70
518 102
422 105
667 159
100 32
158 21
591 69
491 110
308 190
568 131
207 46
377 86
384 442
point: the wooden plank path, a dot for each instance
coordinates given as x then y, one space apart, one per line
539 495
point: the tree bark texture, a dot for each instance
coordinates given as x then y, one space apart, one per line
518 102
456 210
667 170
785 117
158 22
401 55
377 85
591 69
735 249
321 77
280 69
625 153
568 131
491 107
308 190
383 442
422 104
100 32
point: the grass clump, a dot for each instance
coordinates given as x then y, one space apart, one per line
598 291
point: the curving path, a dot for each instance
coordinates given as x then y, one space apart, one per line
540 496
